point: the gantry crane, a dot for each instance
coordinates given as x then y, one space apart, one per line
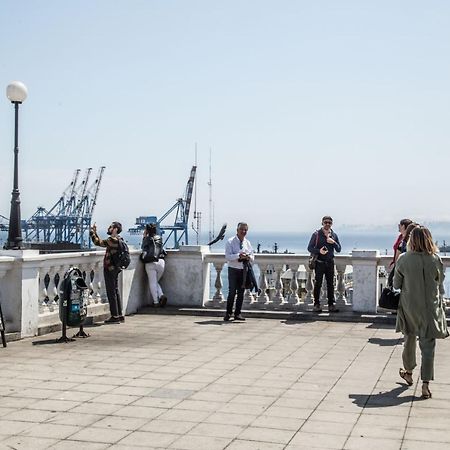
69 220
179 229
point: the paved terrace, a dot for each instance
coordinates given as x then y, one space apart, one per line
186 382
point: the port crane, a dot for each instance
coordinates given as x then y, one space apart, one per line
4 223
69 219
179 230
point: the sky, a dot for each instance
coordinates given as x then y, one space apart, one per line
309 108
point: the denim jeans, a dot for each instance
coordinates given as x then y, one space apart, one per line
235 278
324 268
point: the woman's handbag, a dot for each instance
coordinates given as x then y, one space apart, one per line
389 299
312 261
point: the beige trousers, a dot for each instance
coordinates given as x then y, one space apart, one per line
427 346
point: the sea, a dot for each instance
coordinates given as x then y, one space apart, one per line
287 242
292 242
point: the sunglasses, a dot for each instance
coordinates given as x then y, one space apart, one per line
327 222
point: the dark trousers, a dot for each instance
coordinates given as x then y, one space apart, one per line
324 268
112 291
235 278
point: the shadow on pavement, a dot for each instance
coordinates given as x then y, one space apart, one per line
217 322
45 342
385 342
212 322
383 399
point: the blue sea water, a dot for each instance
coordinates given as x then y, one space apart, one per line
298 242
289 242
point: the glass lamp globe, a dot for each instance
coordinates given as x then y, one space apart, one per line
16 92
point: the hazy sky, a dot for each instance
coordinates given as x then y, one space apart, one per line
309 107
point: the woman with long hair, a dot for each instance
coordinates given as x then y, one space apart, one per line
419 274
153 257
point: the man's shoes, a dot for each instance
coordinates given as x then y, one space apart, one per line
239 317
163 301
332 308
112 320
156 305
317 308
226 318
122 319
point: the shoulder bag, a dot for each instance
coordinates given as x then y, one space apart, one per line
389 299
313 256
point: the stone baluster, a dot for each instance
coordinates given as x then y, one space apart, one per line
324 292
101 287
218 299
341 299
309 298
96 283
263 298
86 269
90 283
248 299
57 275
44 299
278 298
293 299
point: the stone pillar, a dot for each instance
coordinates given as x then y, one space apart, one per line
186 277
20 293
365 280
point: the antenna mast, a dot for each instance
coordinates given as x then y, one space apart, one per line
197 214
211 210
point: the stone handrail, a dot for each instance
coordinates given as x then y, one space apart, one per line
29 283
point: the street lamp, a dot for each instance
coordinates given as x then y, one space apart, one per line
16 93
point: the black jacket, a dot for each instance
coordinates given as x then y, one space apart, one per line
319 237
152 248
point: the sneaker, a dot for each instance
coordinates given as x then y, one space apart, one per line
227 317
317 308
332 308
122 318
156 305
112 320
163 301
239 317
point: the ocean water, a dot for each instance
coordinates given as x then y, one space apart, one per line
287 242
298 242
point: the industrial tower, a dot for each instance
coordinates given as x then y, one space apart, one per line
69 220
179 229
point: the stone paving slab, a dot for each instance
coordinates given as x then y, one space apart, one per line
167 381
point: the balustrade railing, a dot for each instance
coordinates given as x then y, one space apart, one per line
295 292
29 283
51 271
285 282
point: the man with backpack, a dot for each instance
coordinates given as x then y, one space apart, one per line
113 263
323 243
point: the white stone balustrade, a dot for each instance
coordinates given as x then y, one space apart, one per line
186 282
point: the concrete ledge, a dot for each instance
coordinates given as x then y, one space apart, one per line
344 316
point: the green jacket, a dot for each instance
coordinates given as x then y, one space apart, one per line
420 277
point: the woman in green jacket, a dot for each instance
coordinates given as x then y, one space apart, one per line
419 274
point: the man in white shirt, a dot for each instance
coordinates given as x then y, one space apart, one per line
237 250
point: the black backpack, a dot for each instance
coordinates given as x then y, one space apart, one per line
122 258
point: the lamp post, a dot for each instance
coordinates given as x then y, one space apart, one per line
16 93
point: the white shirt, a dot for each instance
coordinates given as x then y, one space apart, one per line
232 249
